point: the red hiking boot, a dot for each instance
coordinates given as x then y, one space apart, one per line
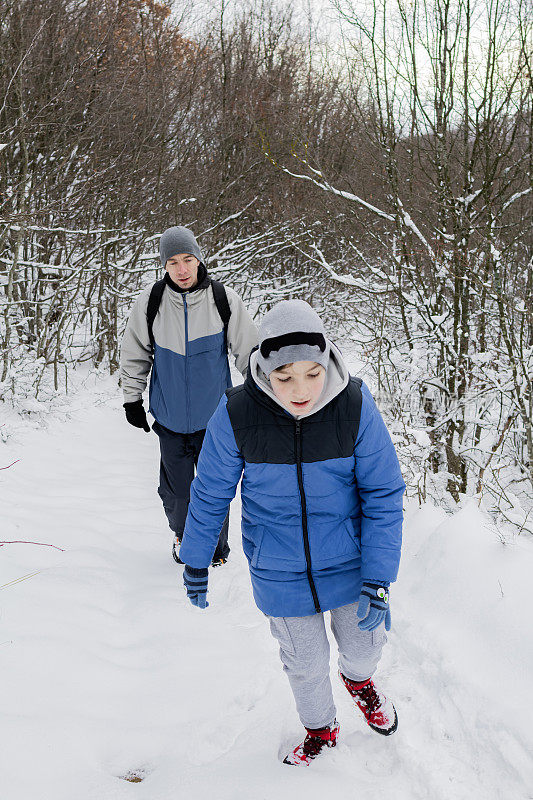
378 711
312 745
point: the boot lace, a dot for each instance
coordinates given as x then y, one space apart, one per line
368 695
313 745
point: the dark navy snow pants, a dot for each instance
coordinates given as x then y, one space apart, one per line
179 456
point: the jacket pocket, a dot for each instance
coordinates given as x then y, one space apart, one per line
354 532
334 544
207 344
256 546
279 549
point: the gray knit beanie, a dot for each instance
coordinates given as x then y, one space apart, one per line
178 240
291 331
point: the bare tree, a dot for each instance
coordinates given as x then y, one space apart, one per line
444 90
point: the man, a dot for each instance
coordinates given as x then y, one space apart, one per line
176 329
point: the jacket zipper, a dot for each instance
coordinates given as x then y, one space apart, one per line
298 436
187 399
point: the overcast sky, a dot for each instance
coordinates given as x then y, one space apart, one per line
193 14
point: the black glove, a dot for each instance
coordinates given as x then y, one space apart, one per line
136 415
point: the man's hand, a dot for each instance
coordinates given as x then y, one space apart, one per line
136 415
373 607
195 581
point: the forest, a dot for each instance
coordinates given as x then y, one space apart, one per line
378 166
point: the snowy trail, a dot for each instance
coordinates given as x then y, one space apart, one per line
106 668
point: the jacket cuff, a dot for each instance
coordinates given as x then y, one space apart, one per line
376 582
132 397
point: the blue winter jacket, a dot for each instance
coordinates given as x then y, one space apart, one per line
189 363
321 497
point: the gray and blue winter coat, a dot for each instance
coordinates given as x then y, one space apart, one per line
189 362
321 493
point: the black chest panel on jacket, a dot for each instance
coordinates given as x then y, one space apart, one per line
266 435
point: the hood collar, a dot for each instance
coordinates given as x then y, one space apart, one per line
337 377
202 283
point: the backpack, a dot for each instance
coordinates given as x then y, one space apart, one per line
221 302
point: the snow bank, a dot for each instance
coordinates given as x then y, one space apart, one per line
108 671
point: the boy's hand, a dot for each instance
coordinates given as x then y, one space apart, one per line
373 607
136 415
195 581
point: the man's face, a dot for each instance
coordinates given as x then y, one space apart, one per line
299 385
183 270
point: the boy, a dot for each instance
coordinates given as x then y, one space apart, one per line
321 515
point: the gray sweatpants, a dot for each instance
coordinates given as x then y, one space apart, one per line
304 652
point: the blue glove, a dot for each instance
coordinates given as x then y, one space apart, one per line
373 607
195 581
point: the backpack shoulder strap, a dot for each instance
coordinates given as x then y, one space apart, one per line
154 301
222 304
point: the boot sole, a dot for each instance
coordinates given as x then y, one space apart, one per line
387 731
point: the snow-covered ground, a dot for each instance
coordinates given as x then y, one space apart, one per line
108 671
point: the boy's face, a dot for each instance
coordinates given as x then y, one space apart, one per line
299 385
183 269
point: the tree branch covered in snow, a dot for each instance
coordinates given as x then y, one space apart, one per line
406 223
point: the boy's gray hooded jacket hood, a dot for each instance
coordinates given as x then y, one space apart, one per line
337 377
